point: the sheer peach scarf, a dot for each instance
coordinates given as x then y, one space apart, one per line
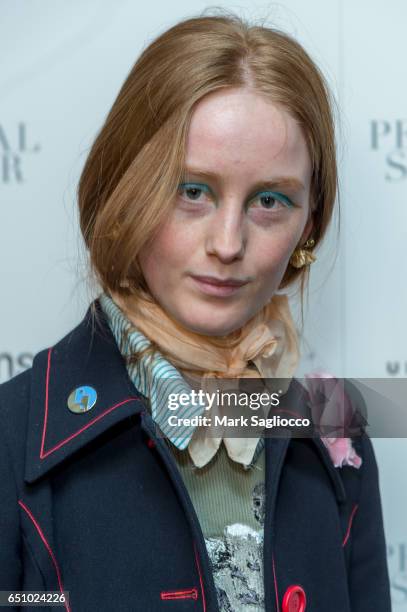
268 340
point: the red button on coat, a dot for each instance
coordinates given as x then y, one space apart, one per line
294 599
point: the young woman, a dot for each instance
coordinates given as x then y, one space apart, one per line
202 198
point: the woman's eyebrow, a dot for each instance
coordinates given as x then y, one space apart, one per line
280 181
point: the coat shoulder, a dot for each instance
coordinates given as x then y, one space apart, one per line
14 411
17 394
14 391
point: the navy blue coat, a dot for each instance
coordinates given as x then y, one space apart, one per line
93 503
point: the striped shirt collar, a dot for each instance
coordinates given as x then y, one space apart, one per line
156 378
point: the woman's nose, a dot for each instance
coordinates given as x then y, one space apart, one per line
226 235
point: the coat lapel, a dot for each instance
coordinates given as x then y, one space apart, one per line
87 356
296 400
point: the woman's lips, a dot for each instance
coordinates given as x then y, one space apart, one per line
211 287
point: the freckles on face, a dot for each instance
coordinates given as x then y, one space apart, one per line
231 218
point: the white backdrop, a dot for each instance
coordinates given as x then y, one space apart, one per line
62 64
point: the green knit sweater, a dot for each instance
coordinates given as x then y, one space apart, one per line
230 504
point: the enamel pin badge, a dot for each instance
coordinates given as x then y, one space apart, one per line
82 399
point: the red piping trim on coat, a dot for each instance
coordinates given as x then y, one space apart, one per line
47 546
275 586
200 579
188 594
65 440
352 514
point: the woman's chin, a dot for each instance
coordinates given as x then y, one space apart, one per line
211 327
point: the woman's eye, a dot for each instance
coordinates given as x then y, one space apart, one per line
267 200
193 191
272 200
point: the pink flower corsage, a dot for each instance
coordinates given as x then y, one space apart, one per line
342 452
337 409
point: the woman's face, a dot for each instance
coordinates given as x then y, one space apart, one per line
241 210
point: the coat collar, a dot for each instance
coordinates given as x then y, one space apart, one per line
89 356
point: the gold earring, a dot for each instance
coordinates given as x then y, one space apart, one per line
301 257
